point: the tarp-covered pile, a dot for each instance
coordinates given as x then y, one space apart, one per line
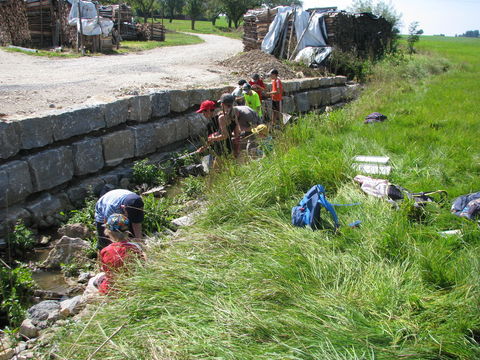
91 23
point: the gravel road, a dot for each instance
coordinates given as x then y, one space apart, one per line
37 85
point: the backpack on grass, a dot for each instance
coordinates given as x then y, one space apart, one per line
308 210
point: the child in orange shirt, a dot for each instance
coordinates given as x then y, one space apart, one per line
277 95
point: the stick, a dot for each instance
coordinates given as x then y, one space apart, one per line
107 340
81 28
291 33
303 34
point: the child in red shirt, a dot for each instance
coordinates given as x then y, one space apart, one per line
114 256
277 95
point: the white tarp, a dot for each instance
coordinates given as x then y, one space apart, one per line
91 24
269 41
313 55
315 34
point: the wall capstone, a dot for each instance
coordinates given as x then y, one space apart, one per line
9 140
160 104
140 108
78 122
116 113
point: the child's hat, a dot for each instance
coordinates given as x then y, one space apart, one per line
118 223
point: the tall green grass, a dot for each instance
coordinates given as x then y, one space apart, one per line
245 284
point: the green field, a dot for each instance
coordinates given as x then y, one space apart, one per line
245 284
205 27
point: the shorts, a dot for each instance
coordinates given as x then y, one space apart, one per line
275 105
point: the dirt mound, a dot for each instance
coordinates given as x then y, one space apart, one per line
256 61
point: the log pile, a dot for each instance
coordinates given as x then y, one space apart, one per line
13 23
157 32
41 22
256 23
364 34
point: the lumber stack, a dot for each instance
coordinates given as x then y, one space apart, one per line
40 22
13 23
157 32
256 24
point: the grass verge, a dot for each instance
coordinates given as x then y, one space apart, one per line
127 46
244 284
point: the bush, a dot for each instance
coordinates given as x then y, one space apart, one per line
15 292
21 239
349 64
85 215
193 187
150 174
158 214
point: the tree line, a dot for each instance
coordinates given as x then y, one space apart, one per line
203 9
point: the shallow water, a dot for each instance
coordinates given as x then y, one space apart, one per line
51 281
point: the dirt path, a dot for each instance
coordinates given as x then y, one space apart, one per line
36 85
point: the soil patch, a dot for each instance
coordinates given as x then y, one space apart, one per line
256 61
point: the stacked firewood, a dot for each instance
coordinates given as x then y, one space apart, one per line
155 31
364 34
256 24
13 23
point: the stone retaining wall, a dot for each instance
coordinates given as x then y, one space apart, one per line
49 163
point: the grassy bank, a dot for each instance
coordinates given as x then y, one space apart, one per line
244 284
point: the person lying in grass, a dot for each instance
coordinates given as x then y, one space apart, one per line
114 257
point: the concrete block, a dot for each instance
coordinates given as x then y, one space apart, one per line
179 100
145 141
78 122
290 86
45 206
9 140
51 168
337 94
307 84
15 183
325 97
352 91
118 146
87 156
140 108
77 195
165 133
92 185
217 92
327 81
315 98
35 132
116 113
301 101
160 104
197 96
181 126
10 216
288 103
197 125
340 80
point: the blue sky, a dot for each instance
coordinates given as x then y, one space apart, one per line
447 17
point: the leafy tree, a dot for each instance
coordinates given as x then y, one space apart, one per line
234 9
194 9
144 7
173 7
379 8
413 36
213 10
